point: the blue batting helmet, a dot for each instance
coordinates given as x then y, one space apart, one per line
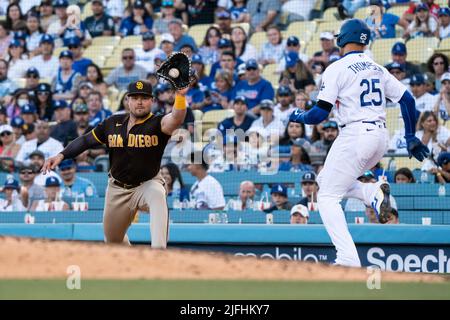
353 31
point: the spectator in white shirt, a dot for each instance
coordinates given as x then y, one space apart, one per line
206 191
12 201
146 55
268 125
424 100
46 63
442 106
444 23
37 160
273 50
18 61
43 142
284 108
34 33
241 46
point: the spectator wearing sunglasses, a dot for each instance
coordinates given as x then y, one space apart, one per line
128 72
80 64
9 146
43 100
27 174
32 80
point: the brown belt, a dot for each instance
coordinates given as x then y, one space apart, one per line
124 185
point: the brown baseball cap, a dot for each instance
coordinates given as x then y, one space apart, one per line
140 87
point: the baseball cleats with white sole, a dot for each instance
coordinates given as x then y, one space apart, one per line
381 202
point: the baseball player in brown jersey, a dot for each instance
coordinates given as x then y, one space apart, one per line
136 143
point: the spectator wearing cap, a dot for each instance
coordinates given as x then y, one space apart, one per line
198 65
284 107
138 22
27 174
67 80
444 23
161 24
29 133
81 118
272 51
240 121
292 45
17 123
382 24
423 24
442 173
84 88
268 125
11 202
7 86
442 106
296 75
239 12
66 129
187 49
80 64
309 190
145 56
37 159
200 11
128 72
263 13
52 201
32 81
280 199
18 62
209 50
399 55
255 88
72 184
241 72
433 8
399 72
424 100
299 159
330 133
299 214
21 98
9 148
206 190
224 46
33 34
167 46
46 63
43 142
47 17
223 20
5 39
43 100
180 39
241 46
328 51
437 65
100 23
29 113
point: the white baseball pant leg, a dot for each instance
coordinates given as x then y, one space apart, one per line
355 150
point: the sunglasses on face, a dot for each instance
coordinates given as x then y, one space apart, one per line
251 69
73 47
292 45
5 134
65 169
127 57
26 172
33 76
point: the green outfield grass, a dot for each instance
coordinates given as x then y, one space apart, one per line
203 290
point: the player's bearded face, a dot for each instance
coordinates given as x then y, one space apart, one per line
140 105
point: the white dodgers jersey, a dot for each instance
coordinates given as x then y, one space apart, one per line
358 88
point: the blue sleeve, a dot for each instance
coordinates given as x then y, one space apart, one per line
198 96
391 18
267 91
124 27
409 113
313 116
148 23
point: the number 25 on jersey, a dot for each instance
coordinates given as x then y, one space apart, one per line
371 95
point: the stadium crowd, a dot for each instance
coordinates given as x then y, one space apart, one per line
51 91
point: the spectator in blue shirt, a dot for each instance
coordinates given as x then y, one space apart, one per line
138 23
195 97
198 65
241 120
299 161
383 24
224 46
73 185
80 64
176 30
254 88
222 93
171 173
96 111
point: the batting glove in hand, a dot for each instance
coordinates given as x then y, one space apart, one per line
416 148
297 116
185 75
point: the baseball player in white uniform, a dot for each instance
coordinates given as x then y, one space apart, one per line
356 88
